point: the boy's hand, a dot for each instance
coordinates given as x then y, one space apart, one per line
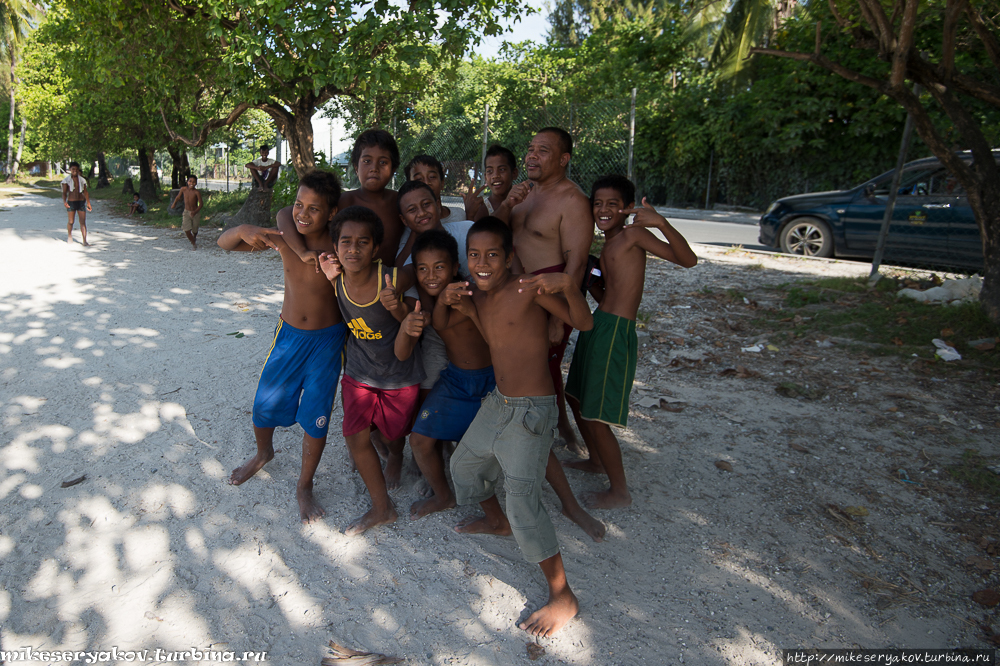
472 199
547 283
311 257
415 322
66 203
330 265
645 216
259 238
452 294
89 208
389 296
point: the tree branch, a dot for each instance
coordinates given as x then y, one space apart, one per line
207 127
841 21
985 35
825 63
880 24
904 44
951 13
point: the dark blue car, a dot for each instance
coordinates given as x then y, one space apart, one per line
932 223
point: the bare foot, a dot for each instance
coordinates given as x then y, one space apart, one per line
553 616
86 244
607 500
483 526
568 436
371 519
423 489
426 507
592 526
587 465
249 468
393 471
578 447
69 240
309 509
380 447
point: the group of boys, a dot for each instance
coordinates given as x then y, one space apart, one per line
453 331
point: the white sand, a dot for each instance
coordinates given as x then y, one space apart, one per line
116 364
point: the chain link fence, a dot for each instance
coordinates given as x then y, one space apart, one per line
600 132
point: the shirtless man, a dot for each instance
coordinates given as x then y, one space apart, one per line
75 197
553 229
375 157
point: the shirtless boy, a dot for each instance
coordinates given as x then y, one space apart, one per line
600 379
75 196
513 430
501 172
454 400
304 359
427 169
375 157
378 389
192 210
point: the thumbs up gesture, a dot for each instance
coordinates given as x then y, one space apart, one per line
390 297
415 322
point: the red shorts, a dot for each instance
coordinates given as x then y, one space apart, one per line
389 410
557 352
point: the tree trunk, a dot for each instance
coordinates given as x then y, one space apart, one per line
128 187
147 188
20 147
296 128
154 174
175 157
256 210
102 171
185 166
10 125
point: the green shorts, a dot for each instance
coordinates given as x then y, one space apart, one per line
603 369
513 435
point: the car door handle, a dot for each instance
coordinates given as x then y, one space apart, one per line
937 205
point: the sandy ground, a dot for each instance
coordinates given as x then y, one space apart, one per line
116 365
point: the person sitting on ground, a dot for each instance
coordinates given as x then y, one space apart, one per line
513 430
501 172
138 206
299 380
264 170
191 218
600 378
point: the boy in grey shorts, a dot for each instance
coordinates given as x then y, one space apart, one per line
513 430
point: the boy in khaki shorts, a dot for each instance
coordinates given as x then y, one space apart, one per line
192 209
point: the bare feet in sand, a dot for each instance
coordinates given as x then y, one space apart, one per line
393 471
433 504
309 509
249 468
592 526
373 518
86 244
586 465
553 616
484 525
607 500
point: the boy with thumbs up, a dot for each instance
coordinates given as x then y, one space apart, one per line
378 388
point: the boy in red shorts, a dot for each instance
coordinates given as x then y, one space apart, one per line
378 389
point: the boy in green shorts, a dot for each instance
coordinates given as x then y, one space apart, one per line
600 378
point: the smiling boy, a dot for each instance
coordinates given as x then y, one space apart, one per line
501 172
513 430
604 362
428 169
299 380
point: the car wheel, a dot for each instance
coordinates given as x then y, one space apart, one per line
808 237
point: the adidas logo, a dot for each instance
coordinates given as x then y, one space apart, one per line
362 331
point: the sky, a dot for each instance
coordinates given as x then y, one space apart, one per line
531 27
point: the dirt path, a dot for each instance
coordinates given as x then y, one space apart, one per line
117 365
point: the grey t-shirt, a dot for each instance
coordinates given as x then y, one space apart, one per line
371 357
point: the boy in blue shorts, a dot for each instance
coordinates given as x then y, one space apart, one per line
600 379
468 377
378 389
299 379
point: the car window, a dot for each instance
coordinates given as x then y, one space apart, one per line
916 181
944 184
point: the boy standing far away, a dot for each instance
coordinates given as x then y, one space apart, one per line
75 196
192 210
514 428
600 379
501 172
299 380
375 157
264 171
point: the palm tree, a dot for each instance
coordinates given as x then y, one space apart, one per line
17 18
726 30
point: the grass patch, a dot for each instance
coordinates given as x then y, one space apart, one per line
845 307
973 473
157 215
